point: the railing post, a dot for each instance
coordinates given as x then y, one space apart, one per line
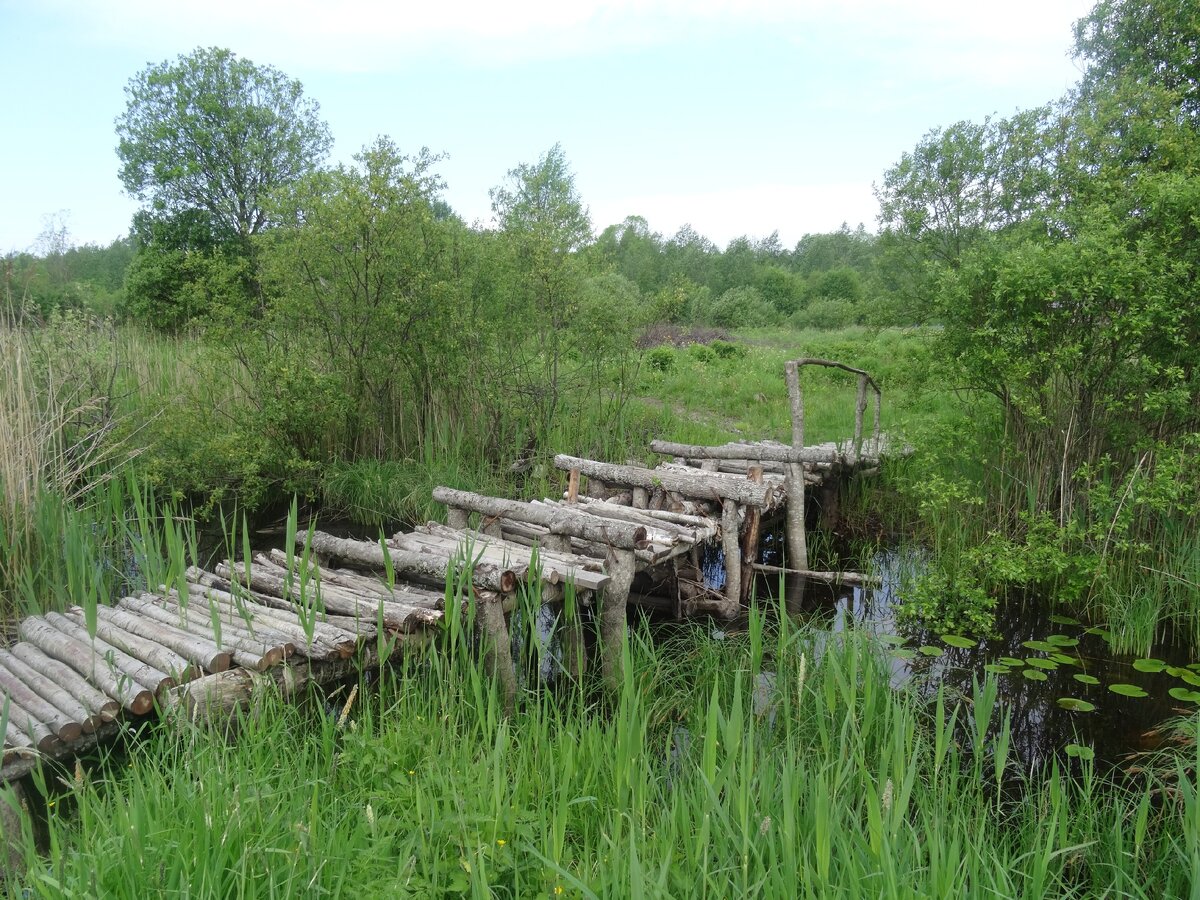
860 407
797 539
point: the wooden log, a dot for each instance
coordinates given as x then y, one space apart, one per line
273 648
202 653
323 626
754 453
364 585
427 566
641 499
245 655
236 614
750 540
852 578
797 537
621 567
730 541
573 486
276 622
701 485
65 727
53 694
497 648
95 701
559 519
81 657
154 654
656 518
26 723
860 407
267 579
457 517
143 673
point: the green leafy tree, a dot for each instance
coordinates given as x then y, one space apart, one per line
216 133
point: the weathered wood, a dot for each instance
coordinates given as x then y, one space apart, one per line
249 655
559 519
621 566
497 647
364 585
641 499
456 517
28 724
573 486
95 701
438 569
66 728
153 654
203 653
143 673
750 540
81 657
53 694
279 625
797 538
758 453
700 526
852 578
730 541
702 485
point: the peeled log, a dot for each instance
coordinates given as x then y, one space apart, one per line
52 693
153 678
621 566
83 659
70 680
778 453
437 569
203 653
146 605
700 485
559 520
149 652
66 728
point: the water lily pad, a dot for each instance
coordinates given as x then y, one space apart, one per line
1064 620
1184 694
1044 646
930 650
1149 665
1063 659
1100 632
1127 690
894 639
1195 667
1011 661
1191 678
1039 663
957 640
1080 752
1061 640
1035 675
904 653
997 669
1074 704
1085 679
1177 671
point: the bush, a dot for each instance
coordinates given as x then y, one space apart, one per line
661 359
727 350
739 307
827 314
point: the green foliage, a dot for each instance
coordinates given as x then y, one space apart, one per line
661 359
828 314
216 133
738 307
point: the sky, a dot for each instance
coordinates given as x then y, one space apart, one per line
738 117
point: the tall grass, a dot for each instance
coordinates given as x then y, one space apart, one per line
757 765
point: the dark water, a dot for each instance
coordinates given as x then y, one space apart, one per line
1040 727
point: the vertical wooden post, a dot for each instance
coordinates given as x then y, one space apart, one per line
457 518
797 539
573 486
878 403
498 659
733 558
490 525
641 498
860 407
14 813
619 566
708 465
750 541
570 626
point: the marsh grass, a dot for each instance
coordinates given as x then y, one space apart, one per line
757 765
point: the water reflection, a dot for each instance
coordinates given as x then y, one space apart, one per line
1040 727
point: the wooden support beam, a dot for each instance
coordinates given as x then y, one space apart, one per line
620 565
797 539
700 485
497 647
750 539
730 540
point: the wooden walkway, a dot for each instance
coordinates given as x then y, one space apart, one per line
620 535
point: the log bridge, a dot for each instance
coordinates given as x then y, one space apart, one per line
619 535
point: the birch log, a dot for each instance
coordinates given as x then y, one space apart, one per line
81 657
70 680
437 569
53 693
700 485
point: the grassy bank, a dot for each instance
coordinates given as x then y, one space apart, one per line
759 765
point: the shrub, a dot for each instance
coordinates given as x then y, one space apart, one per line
661 359
727 350
828 314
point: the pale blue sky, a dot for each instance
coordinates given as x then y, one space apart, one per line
736 117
